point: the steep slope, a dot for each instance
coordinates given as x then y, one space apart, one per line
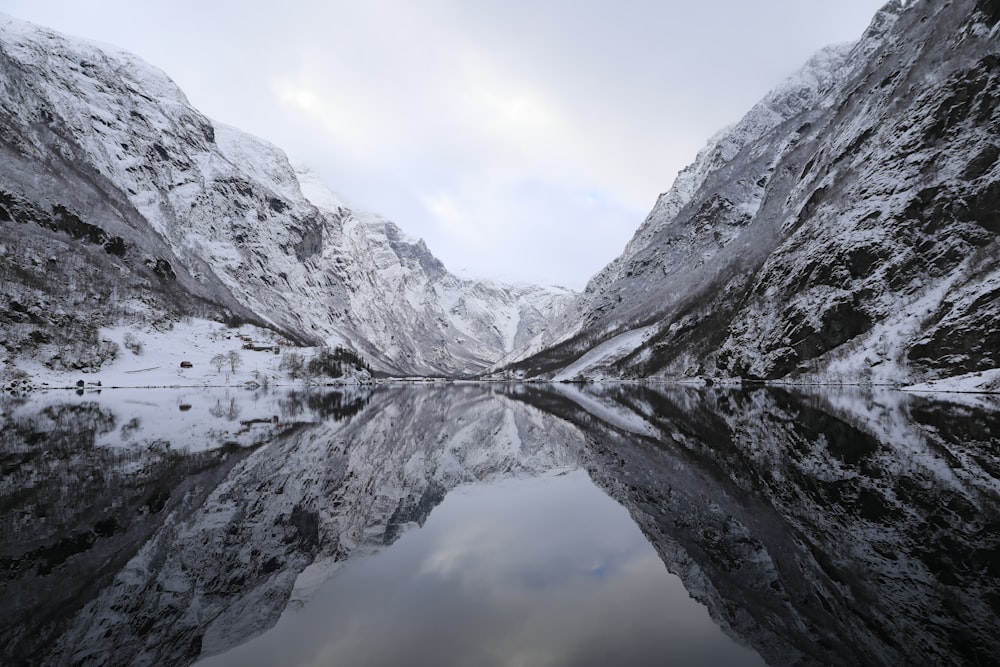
845 229
113 185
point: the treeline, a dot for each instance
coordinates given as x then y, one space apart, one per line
326 362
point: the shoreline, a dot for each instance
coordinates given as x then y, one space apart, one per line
27 385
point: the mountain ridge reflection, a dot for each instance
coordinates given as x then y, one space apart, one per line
832 527
819 528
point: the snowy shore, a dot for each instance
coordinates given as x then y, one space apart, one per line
181 356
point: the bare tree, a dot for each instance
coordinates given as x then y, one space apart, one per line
132 343
293 364
217 410
234 359
219 361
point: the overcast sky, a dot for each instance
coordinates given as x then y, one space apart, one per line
523 139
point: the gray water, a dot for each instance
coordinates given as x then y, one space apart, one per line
499 525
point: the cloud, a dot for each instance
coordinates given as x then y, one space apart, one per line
494 162
523 571
481 127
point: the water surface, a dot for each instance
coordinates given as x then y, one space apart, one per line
523 571
468 524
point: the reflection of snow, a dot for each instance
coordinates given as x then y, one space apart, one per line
978 382
190 419
607 411
508 570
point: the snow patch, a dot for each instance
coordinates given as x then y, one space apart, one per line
607 352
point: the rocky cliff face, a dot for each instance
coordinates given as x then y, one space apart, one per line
118 200
412 310
845 229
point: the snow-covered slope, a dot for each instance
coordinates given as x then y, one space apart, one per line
112 182
409 308
845 229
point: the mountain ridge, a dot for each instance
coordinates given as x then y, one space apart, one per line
199 218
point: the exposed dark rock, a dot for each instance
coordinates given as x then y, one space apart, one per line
982 162
162 268
306 525
311 242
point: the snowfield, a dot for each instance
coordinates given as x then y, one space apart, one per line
979 382
195 341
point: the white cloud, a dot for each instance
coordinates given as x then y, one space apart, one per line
499 132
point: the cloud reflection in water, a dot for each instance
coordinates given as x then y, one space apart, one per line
526 571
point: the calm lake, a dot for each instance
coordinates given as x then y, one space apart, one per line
528 525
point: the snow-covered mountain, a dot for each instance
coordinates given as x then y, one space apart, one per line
845 229
120 201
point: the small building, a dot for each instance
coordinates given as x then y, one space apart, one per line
186 364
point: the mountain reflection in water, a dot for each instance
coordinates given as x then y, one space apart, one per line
835 527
